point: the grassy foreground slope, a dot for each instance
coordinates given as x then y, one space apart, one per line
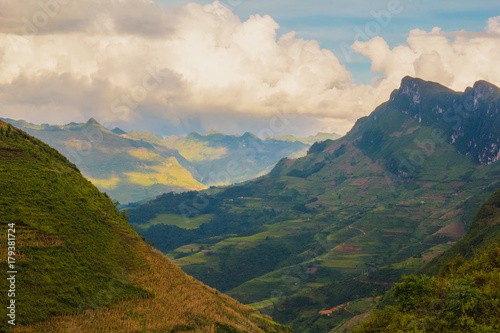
82 268
464 297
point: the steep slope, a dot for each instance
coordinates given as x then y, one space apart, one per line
463 298
226 159
484 228
128 170
78 266
349 218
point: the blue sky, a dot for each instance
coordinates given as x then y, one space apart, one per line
333 22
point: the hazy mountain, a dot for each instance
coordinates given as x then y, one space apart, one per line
350 217
127 169
81 267
310 139
223 159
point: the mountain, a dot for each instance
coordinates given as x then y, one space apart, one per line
347 220
226 159
118 131
462 298
310 140
78 266
129 170
137 166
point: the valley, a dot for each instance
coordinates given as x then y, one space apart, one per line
312 244
228 166
347 220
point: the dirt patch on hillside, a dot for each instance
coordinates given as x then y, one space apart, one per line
413 129
457 185
346 248
289 162
315 204
429 256
426 184
435 198
408 122
396 134
376 167
455 230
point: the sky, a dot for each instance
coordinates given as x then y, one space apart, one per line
269 67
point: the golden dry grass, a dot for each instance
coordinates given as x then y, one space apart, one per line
178 303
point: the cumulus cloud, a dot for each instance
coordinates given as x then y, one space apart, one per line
133 60
456 62
494 25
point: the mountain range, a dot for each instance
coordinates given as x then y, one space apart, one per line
75 265
135 166
347 220
221 159
310 140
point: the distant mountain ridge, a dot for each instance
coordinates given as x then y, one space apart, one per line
226 159
310 139
135 166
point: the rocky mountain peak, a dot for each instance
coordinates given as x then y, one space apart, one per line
92 121
485 90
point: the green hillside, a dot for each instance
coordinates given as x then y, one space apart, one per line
80 266
350 218
127 169
484 229
464 297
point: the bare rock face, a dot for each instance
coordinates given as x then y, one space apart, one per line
470 120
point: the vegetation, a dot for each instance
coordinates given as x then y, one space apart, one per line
464 297
177 220
484 229
81 266
379 203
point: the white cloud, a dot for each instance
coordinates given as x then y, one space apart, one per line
494 25
133 59
455 62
